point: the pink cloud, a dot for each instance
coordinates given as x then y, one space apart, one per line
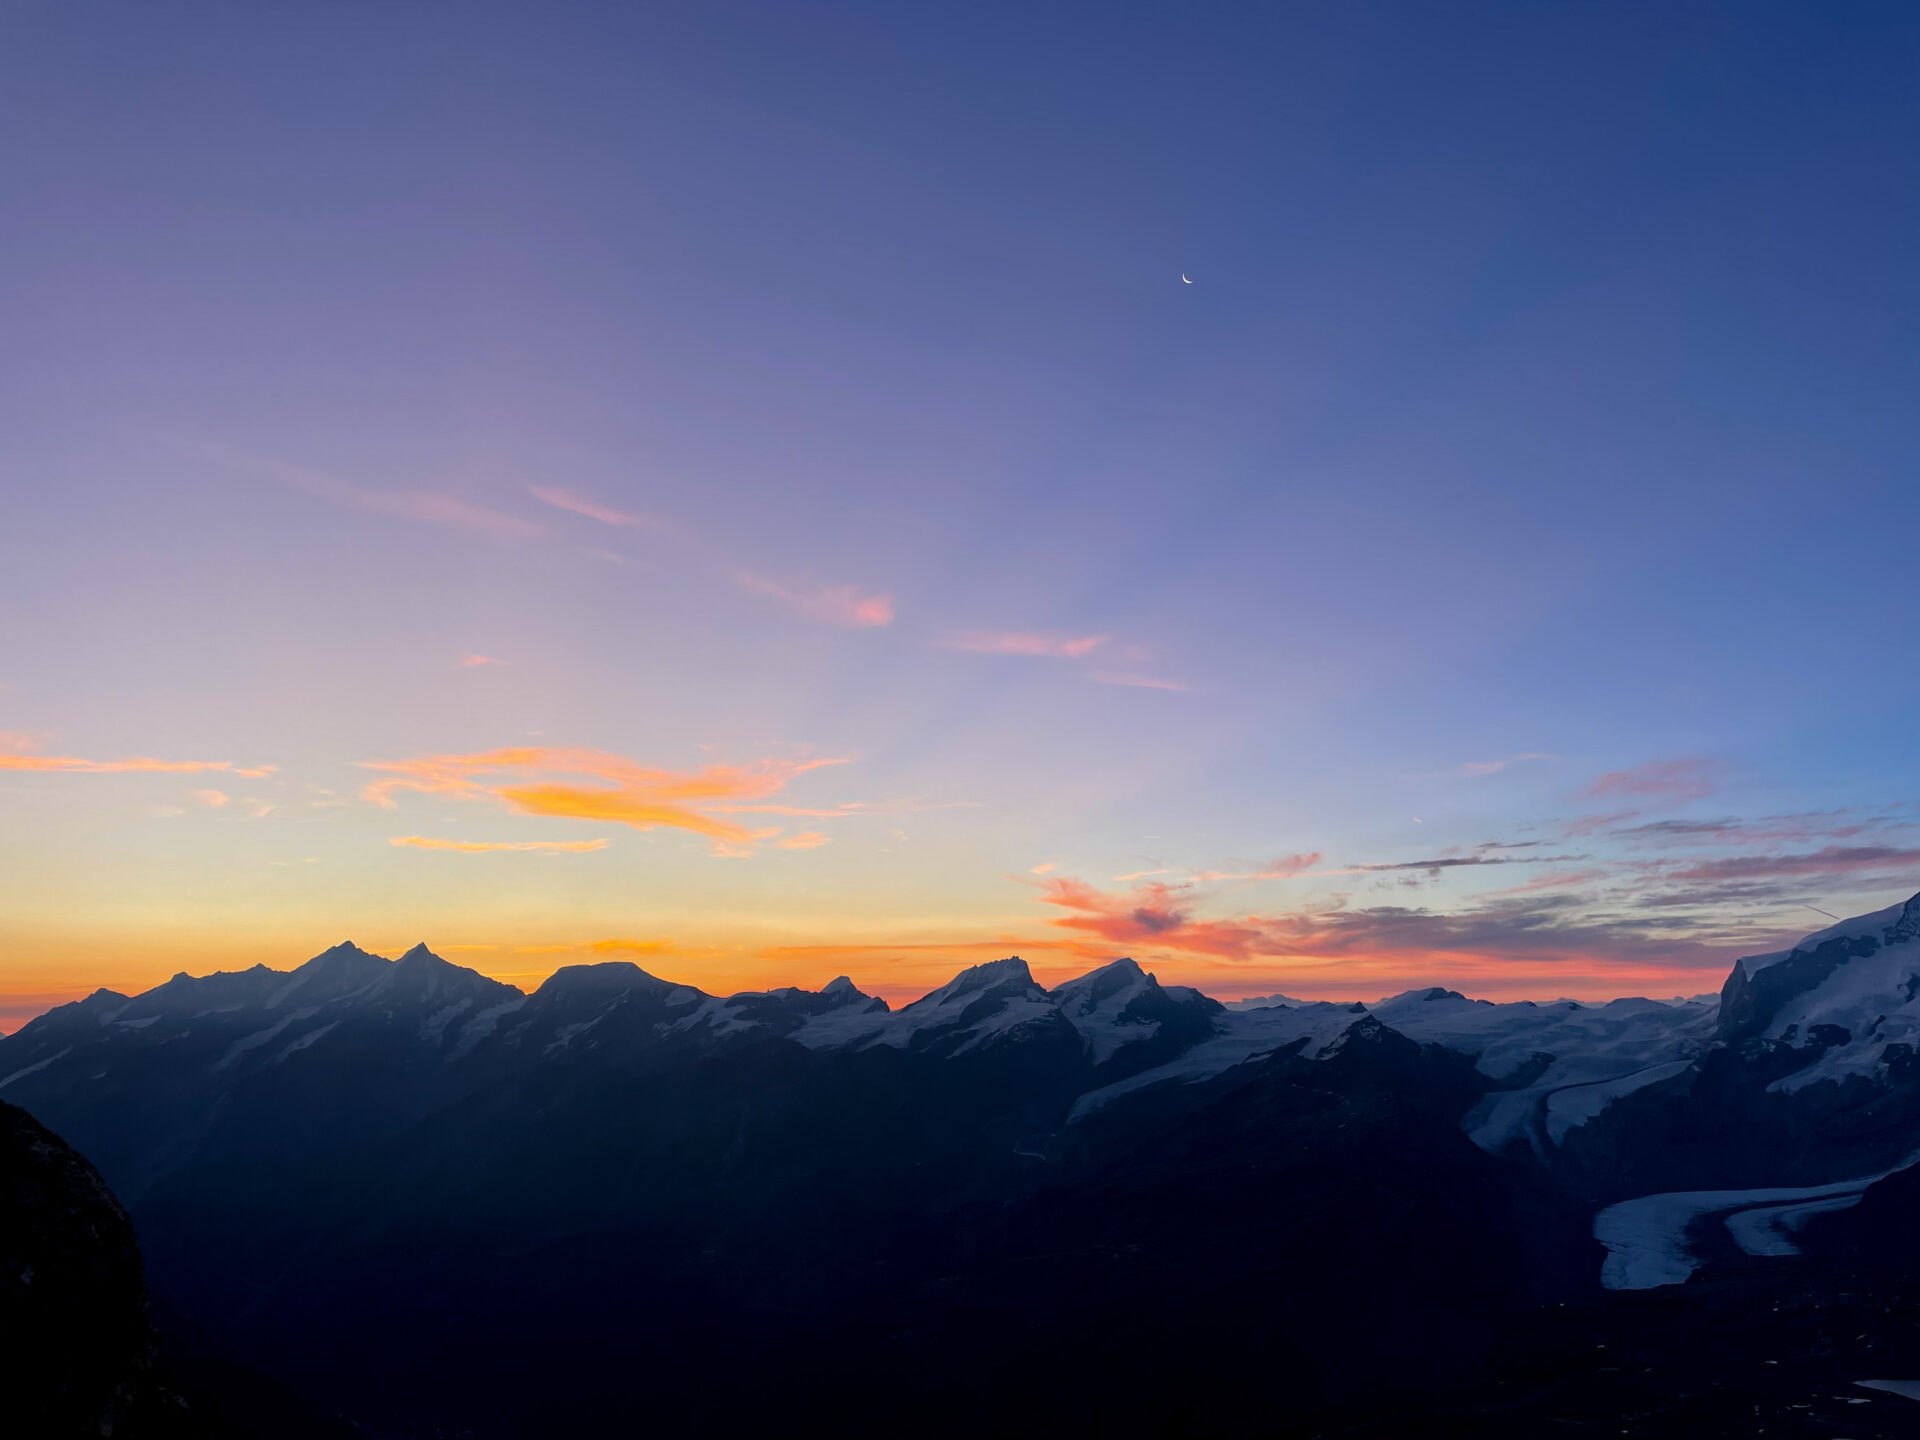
1476 768
829 605
430 506
805 840
1284 868
475 661
580 505
1137 682
1026 642
212 799
1690 779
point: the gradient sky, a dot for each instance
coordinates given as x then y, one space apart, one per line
746 488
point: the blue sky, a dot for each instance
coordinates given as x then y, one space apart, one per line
767 385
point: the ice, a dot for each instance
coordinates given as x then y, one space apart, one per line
1909 1389
1646 1238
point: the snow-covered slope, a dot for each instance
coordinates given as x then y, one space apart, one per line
1559 1064
1848 997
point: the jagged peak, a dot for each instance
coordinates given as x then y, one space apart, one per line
345 950
420 953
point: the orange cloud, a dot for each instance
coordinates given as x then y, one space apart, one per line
213 799
475 661
422 842
73 764
637 796
1026 642
580 505
831 605
805 840
624 946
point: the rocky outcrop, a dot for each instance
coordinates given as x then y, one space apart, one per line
76 1350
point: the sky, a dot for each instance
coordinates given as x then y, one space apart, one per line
1322 499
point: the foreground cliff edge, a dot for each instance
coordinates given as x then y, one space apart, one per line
76 1349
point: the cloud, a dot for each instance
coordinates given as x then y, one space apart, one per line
1044 867
1544 929
1451 862
567 500
625 946
636 795
1477 768
1777 829
1025 642
1689 779
805 840
19 740
475 661
1137 682
213 799
474 847
1284 868
73 764
428 506
580 505
1832 860
832 605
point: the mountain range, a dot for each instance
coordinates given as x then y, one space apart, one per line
439 1205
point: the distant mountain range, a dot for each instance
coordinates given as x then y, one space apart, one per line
445 1206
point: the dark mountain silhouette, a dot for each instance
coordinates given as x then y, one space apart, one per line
444 1206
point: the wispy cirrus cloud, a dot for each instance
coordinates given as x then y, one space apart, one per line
433 507
805 840
1134 680
476 847
1830 860
1044 644
1285 867
592 509
1693 778
843 605
639 796
1435 864
477 661
1474 769
74 765
1804 827
212 799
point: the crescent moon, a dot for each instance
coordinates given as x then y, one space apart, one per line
1183 278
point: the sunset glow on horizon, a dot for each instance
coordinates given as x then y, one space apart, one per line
693 515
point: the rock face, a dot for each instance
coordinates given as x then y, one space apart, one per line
76 1350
